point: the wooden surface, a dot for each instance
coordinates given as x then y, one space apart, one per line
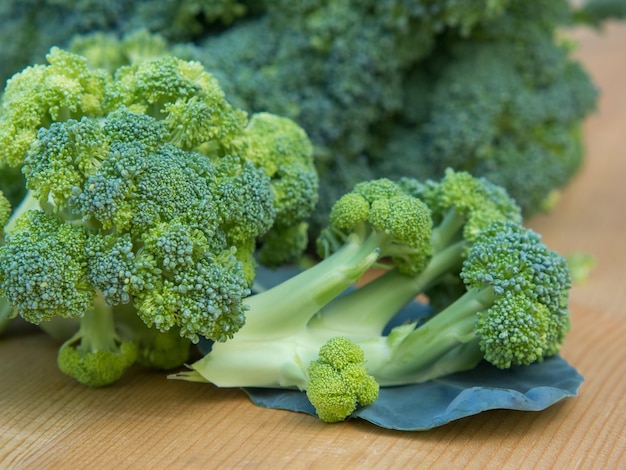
146 421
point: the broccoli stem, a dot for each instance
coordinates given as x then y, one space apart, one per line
446 343
97 329
446 230
367 310
272 314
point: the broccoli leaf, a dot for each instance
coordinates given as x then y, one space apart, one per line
424 406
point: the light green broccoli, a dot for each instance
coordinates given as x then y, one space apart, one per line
153 199
339 382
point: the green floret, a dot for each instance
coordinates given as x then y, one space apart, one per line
379 212
502 103
188 99
284 151
62 157
461 206
5 210
513 313
339 382
42 268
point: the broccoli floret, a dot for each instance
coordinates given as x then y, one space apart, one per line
461 207
283 150
339 382
5 210
42 94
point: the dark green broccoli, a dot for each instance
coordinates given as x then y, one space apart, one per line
501 103
29 28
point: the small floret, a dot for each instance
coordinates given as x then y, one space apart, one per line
42 268
339 382
42 94
95 355
378 212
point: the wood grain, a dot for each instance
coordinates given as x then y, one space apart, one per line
146 421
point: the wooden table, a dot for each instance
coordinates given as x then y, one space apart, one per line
146 421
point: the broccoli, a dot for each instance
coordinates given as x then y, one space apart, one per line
374 84
338 380
28 28
386 100
501 103
148 198
5 210
6 310
512 311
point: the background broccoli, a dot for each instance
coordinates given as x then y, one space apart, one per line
374 84
28 28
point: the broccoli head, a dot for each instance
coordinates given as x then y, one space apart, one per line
131 207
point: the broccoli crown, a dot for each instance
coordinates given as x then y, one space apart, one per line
78 117
529 284
460 198
500 103
380 208
176 218
338 380
151 224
